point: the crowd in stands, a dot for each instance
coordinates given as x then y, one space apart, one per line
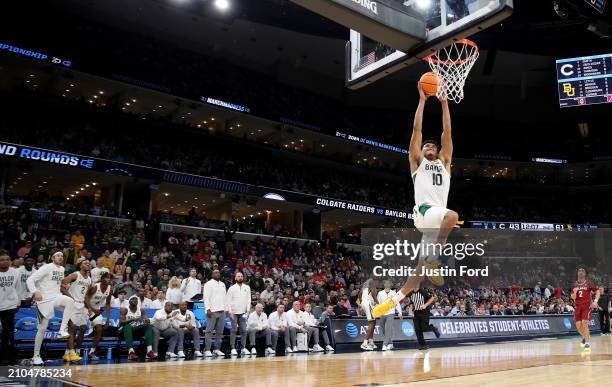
287 280
278 271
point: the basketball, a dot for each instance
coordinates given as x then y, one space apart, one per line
429 83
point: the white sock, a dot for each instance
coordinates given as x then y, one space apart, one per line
92 350
68 304
71 352
149 348
399 297
40 336
131 350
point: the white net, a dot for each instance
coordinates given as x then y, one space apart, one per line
452 65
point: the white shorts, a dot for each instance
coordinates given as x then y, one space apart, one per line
46 308
79 317
99 320
368 311
431 220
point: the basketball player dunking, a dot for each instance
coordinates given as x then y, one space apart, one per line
430 168
581 294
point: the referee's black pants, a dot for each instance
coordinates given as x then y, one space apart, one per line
421 325
604 321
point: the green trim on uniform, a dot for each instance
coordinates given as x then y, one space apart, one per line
423 208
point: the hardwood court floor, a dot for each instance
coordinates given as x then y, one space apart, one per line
551 362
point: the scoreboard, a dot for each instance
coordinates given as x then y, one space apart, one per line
529 226
585 81
599 5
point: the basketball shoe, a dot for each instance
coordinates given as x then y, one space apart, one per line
383 308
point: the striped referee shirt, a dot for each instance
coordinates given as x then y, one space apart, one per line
419 299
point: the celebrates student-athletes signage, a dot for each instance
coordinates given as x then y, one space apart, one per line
354 330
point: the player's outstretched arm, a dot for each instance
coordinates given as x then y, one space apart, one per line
416 139
67 281
446 153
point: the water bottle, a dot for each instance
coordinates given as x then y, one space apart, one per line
109 353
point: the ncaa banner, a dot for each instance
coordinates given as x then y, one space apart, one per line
457 328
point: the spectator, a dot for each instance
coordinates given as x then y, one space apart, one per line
25 250
340 309
120 301
258 327
160 301
191 286
78 241
256 283
174 294
267 293
97 271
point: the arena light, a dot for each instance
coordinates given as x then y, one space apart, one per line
222 4
423 4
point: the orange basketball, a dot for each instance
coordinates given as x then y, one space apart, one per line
429 83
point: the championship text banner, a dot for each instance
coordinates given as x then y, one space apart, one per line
48 156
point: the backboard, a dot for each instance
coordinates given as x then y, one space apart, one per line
446 21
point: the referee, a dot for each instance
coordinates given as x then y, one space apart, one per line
422 300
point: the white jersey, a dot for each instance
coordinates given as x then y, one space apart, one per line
47 280
79 287
431 184
23 277
367 298
131 315
98 300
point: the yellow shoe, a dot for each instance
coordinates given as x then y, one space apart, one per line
66 357
382 309
74 357
587 349
582 344
435 279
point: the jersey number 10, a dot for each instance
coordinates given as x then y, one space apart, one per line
437 178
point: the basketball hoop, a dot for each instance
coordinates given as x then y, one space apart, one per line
452 65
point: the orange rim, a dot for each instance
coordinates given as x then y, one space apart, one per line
433 56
